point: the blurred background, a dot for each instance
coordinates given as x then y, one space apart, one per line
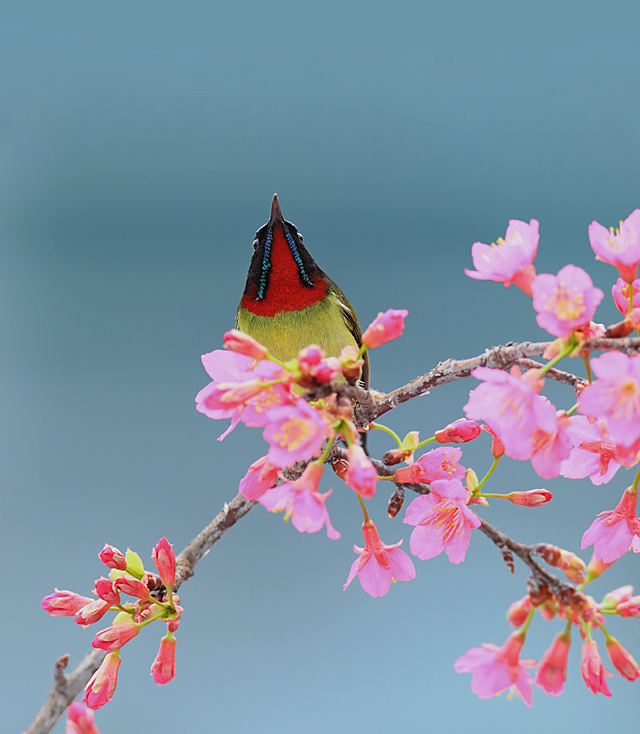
140 145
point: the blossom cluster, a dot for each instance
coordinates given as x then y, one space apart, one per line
154 601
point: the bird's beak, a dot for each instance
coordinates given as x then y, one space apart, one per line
276 214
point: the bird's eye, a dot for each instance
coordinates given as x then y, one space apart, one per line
255 243
300 237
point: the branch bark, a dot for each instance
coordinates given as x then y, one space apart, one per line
68 685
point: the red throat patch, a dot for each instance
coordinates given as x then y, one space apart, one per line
285 291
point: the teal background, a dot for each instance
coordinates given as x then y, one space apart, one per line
140 144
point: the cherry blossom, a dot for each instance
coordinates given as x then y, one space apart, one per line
593 451
496 669
552 670
620 293
566 301
508 260
379 564
619 247
260 477
295 432
385 327
440 463
592 669
361 474
614 532
163 668
442 520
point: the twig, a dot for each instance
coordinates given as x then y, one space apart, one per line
67 686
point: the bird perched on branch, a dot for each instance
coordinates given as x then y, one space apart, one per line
288 302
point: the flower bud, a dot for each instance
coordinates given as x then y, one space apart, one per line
385 327
617 596
518 611
128 584
351 364
573 566
629 608
64 603
622 660
530 498
80 720
106 590
309 357
327 370
163 668
396 456
112 557
165 561
93 612
459 431
102 686
241 343
113 638
497 447
361 474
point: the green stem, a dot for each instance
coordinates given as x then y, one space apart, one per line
488 474
364 509
426 441
380 427
572 410
326 452
527 621
552 363
607 636
585 357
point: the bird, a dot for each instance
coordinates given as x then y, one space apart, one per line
289 302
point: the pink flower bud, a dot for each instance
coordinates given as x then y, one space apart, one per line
552 670
630 608
592 669
622 660
241 343
102 686
64 603
130 585
459 431
113 638
531 498
573 566
163 668
113 558
328 370
597 567
620 293
385 327
80 720
351 363
106 591
361 473
617 596
309 357
165 561
497 447
93 612
518 611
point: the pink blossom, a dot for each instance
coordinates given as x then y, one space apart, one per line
620 293
163 668
309 358
64 603
550 449
102 686
361 473
615 396
508 260
511 407
593 451
112 557
459 431
295 433
327 370
519 611
113 638
440 463
442 520
164 560
592 669
93 612
629 608
227 368
385 327
620 247
614 532
566 301
302 502
80 720
260 477
622 660
496 669
617 596
106 591
128 584
530 498
573 566
379 564
241 343
552 670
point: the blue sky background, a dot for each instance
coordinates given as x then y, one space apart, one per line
140 145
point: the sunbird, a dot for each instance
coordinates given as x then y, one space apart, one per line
289 302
